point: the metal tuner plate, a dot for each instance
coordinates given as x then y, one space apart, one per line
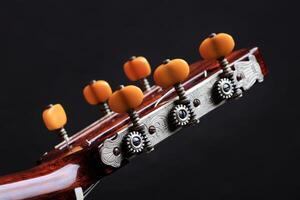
158 126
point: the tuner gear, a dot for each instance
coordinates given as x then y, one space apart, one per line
138 127
125 100
224 88
180 115
134 143
173 73
218 46
184 100
228 74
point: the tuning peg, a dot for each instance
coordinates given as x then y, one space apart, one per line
126 100
137 69
55 118
218 46
173 73
97 93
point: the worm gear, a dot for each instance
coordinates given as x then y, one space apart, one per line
134 142
181 115
224 88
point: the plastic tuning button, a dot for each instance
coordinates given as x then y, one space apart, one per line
218 46
173 73
98 93
126 100
138 69
55 118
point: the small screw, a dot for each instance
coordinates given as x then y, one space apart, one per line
132 58
120 87
239 77
166 61
116 151
196 102
49 106
212 35
92 82
152 130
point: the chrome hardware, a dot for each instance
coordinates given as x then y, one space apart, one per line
248 72
180 115
223 89
152 130
64 135
107 151
156 123
184 100
134 143
202 74
229 74
105 108
145 84
196 102
138 127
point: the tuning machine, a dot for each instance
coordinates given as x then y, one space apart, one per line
55 118
138 69
173 73
126 100
97 93
218 46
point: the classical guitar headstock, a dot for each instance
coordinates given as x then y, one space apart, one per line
171 73
135 120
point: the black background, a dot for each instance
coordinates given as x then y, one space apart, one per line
246 149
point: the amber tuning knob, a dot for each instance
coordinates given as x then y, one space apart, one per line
97 93
218 46
138 69
173 73
55 118
126 100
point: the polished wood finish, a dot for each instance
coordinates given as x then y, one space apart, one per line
62 170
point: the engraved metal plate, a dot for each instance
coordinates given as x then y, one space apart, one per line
246 67
107 151
248 72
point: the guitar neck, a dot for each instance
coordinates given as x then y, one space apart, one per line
59 179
